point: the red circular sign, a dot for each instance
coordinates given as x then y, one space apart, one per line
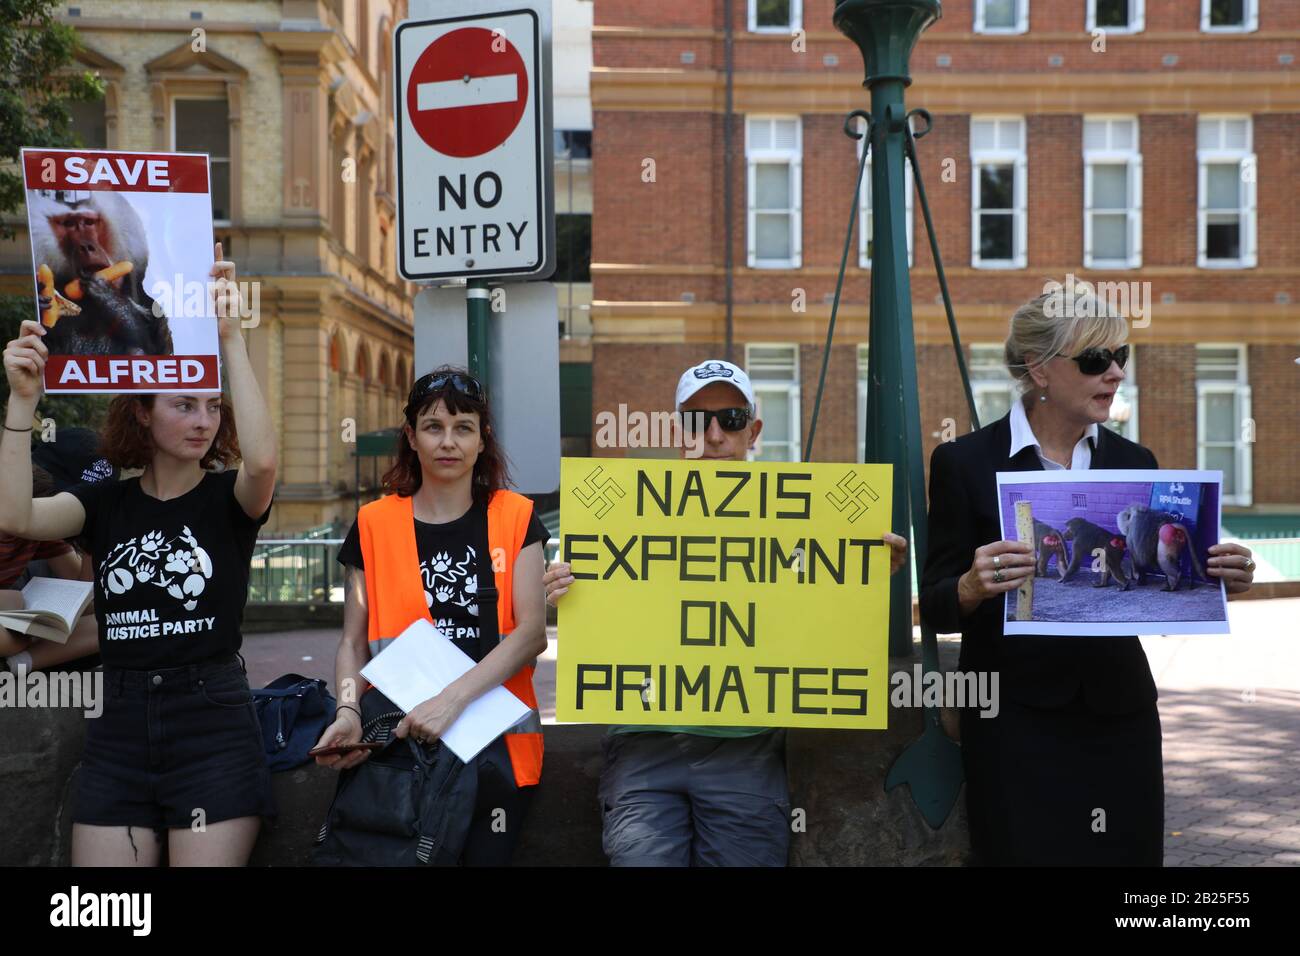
464 118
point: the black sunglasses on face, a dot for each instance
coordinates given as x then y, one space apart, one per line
729 419
1097 361
464 384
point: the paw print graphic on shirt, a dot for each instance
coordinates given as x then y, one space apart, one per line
185 571
451 583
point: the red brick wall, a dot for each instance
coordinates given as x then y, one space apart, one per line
837 422
1028 52
644 377
1275 400
1167 403
678 220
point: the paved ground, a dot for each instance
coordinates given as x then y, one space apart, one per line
1077 600
1229 706
1230 710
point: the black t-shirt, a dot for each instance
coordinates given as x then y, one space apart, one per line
449 555
171 577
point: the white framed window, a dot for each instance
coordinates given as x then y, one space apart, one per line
866 217
1229 16
202 125
990 382
1226 191
89 122
774 159
775 16
862 401
1222 416
1124 406
1001 16
999 222
1112 193
1116 16
774 373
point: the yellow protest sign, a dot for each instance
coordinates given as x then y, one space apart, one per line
724 593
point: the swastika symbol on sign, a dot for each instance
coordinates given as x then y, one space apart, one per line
598 493
854 492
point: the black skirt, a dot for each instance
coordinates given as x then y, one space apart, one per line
1064 787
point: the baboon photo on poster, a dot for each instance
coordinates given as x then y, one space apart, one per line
120 260
1121 552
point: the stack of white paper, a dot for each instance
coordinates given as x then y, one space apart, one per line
423 661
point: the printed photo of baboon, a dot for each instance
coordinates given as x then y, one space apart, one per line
1109 535
1104 550
92 253
1049 543
1157 540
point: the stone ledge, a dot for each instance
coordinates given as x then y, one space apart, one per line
836 780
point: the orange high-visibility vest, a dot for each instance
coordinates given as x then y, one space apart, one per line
396 598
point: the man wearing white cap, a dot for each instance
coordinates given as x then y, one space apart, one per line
699 796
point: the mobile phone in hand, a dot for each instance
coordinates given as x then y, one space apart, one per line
337 749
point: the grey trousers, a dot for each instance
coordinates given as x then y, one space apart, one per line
690 800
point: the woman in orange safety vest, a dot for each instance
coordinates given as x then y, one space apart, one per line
447 535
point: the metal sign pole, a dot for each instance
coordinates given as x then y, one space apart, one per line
476 318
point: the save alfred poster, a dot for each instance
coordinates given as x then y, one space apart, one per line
121 253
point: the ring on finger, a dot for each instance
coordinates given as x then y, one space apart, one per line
1249 565
997 560
997 576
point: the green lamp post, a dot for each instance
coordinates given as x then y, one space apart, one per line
885 32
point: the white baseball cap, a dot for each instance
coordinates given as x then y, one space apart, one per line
706 373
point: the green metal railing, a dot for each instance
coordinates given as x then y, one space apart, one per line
1282 554
299 570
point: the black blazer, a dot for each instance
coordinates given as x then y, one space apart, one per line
1112 672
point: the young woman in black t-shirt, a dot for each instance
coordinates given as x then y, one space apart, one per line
177 750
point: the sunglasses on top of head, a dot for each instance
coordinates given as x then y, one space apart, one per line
729 419
1097 361
465 385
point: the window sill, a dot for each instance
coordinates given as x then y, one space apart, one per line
1223 264
996 264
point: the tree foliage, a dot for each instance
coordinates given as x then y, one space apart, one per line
35 54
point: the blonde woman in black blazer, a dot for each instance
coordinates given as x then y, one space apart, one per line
1070 771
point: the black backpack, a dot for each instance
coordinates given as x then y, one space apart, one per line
406 805
293 712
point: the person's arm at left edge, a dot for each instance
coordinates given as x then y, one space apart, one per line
255 482
522 646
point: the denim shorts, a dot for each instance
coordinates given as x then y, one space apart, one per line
174 747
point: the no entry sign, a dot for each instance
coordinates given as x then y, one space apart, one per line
474 146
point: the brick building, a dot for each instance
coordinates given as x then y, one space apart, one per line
1155 143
